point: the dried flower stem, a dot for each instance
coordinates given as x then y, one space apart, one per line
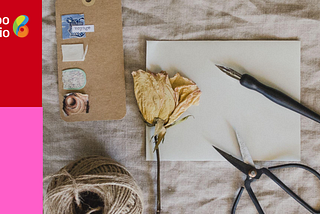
158 180
162 100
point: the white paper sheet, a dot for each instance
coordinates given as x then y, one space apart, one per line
73 52
270 131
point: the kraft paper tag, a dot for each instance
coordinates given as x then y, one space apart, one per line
103 63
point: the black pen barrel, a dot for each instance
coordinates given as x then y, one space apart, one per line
278 97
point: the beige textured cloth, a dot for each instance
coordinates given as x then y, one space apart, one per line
190 187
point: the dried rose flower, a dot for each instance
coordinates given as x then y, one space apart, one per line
162 100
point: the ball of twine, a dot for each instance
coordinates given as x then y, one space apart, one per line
93 185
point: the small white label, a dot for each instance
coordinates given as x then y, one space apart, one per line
83 29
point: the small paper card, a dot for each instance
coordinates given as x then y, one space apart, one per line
70 20
73 52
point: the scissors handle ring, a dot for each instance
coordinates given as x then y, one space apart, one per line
287 189
267 171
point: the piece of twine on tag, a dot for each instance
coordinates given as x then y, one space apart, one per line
93 185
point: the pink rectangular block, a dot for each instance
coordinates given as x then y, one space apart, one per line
21 160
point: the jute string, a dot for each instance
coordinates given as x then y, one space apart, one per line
93 185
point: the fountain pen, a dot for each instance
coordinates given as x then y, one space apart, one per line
272 94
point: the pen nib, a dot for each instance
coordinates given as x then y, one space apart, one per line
229 71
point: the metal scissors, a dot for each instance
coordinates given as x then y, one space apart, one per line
252 174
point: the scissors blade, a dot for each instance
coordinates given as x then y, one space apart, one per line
246 157
243 167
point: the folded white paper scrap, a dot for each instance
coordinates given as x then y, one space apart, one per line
73 52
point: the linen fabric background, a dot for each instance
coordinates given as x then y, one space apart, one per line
190 187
